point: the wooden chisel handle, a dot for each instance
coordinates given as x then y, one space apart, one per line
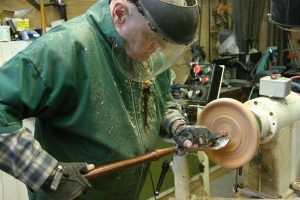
116 166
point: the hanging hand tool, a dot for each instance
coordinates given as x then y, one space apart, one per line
61 4
43 17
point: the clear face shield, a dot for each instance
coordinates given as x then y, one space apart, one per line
144 53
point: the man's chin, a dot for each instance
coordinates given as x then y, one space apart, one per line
138 58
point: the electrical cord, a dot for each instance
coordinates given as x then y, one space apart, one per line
152 183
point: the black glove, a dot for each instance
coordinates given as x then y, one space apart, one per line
68 181
199 135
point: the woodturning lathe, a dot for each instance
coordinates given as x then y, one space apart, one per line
265 139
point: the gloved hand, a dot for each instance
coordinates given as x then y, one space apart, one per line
67 181
193 136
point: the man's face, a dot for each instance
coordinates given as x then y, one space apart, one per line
143 42
150 54
140 40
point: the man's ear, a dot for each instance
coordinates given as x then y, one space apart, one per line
119 14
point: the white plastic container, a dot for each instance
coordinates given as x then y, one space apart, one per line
4 33
279 87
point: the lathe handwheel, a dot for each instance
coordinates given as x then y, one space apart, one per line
233 118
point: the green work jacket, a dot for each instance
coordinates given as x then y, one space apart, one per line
86 110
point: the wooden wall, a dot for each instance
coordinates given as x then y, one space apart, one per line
74 8
207 35
77 7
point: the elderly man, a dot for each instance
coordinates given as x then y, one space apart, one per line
98 87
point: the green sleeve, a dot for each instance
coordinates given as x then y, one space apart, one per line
172 112
21 92
41 81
